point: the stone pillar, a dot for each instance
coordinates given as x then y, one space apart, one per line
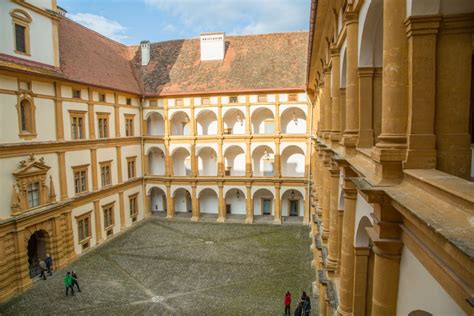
221 207
194 204
97 220
320 179
390 150
361 258
117 118
342 93
277 217
58 112
122 210
220 159
166 120
194 164
332 260
62 175
346 288
248 121
335 95
277 162
327 193
21 256
169 202
193 119
422 32
91 115
220 121
326 103
277 129
306 211
118 152
322 111
94 169
146 164
249 205
168 163
248 160
366 131
351 132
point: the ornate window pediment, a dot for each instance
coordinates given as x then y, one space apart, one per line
30 190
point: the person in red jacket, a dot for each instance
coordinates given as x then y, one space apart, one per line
287 303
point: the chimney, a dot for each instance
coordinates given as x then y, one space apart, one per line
212 46
145 50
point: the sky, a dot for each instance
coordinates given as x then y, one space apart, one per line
131 21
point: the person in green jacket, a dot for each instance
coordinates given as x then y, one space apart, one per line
68 283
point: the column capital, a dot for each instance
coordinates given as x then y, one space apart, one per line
422 25
334 51
350 17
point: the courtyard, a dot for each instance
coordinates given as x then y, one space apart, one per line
175 267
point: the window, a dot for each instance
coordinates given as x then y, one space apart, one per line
262 98
153 103
76 93
105 176
84 227
205 101
292 97
129 101
133 202
21 24
24 85
102 97
129 118
108 211
26 118
179 102
233 99
103 124
80 179
77 124
131 167
33 194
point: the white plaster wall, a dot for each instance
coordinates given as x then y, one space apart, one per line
181 203
238 205
235 158
207 123
45 88
155 125
362 209
208 202
285 204
7 180
257 201
181 163
76 106
370 20
44 4
131 151
105 154
156 163
419 290
41 34
292 162
77 158
158 201
207 165
9 129
242 98
76 212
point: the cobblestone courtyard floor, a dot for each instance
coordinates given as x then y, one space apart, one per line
176 267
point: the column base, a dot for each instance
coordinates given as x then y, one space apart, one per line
366 138
195 219
277 221
349 140
331 265
420 159
249 220
169 216
221 219
341 312
388 167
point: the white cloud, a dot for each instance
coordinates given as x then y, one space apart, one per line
237 16
109 28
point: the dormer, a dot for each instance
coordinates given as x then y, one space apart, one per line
212 46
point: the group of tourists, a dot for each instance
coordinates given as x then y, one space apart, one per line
45 266
303 308
70 280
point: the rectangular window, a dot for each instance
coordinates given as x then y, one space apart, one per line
108 211
103 124
105 173
133 202
205 101
84 227
76 93
20 38
80 179
153 103
262 98
33 193
179 102
102 97
129 101
292 97
77 124
129 118
233 99
131 167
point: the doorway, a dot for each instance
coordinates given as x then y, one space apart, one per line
266 206
228 209
294 207
36 250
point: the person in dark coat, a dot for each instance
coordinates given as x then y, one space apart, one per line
298 309
49 263
287 303
42 268
74 281
306 302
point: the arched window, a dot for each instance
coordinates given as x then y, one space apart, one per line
26 118
21 31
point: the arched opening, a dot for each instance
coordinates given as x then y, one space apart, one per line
26 116
157 200
181 162
234 157
207 162
263 121
292 203
156 162
263 161
208 201
180 124
292 162
38 246
206 123
235 202
182 201
234 122
155 124
419 313
263 202
293 121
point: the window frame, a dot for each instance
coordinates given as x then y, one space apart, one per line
233 97
110 207
293 96
262 98
132 160
23 19
85 169
179 102
129 130
74 114
26 116
133 197
76 93
208 101
104 132
88 235
108 180
38 197
102 97
128 101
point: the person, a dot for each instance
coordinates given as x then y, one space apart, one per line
298 309
287 303
68 283
42 267
74 281
306 304
49 263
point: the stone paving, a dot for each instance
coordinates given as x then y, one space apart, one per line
175 267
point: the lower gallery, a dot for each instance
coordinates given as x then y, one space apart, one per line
361 129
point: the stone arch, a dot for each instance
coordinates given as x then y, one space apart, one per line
263 159
157 198
38 244
208 201
156 161
181 159
362 238
206 121
292 202
263 202
207 161
235 201
234 121
371 34
293 121
180 123
292 162
419 313
262 120
234 161
155 124
182 200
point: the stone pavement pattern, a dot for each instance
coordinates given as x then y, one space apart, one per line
163 267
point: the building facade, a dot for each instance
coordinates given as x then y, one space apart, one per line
392 82
96 136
